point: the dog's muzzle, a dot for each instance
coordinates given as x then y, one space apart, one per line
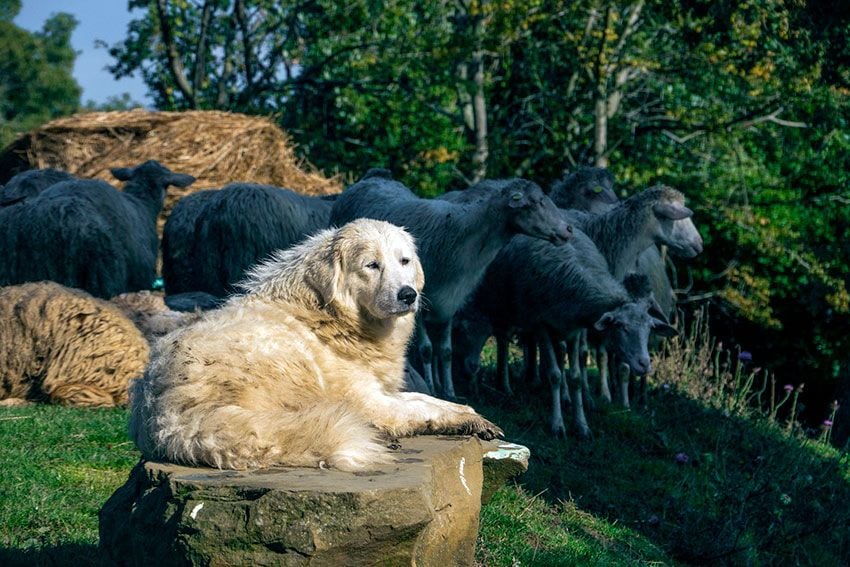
407 295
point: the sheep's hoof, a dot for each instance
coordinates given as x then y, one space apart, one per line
583 432
558 431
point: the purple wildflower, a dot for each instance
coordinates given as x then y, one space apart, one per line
827 423
789 388
682 458
745 356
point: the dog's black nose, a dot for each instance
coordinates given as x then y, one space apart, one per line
407 294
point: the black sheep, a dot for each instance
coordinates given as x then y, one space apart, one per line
86 234
30 183
213 237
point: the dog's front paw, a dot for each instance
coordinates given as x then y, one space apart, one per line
483 428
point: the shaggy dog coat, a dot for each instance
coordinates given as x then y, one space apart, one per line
304 369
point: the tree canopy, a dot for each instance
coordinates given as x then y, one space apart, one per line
36 84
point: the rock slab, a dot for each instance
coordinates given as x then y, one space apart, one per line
421 510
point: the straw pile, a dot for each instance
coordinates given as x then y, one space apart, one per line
216 147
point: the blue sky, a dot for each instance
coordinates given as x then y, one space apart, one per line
99 19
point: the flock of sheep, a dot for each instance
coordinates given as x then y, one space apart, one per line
563 270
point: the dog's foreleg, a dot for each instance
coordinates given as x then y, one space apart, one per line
409 413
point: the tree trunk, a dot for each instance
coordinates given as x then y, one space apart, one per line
600 129
479 109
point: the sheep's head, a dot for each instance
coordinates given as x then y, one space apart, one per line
673 225
149 177
532 213
626 329
588 189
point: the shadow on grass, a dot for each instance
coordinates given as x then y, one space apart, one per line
70 554
705 487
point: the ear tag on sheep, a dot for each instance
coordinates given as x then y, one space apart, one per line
516 196
597 189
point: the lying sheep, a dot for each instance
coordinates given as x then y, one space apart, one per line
149 312
63 346
456 243
87 235
213 237
30 183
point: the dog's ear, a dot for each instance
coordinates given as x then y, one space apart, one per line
324 272
420 273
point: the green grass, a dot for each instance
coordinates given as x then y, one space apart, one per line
754 490
59 466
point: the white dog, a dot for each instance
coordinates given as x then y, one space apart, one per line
304 369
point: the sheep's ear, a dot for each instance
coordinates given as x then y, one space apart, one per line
656 311
179 179
122 173
672 211
517 199
604 322
663 329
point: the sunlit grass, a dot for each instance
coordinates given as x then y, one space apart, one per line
711 471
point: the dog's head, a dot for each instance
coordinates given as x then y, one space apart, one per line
371 267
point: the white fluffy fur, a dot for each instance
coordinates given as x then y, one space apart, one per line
304 369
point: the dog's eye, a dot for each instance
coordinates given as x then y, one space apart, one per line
373 265
405 261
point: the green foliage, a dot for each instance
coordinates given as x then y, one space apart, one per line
35 72
115 102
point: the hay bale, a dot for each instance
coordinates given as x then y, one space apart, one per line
216 147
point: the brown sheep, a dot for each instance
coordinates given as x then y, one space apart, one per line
63 346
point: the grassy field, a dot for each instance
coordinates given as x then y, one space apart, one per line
696 477
59 466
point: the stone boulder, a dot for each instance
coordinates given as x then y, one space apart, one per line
422 510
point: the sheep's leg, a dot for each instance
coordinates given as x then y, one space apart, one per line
624 374
443 336
426 353
529 356
641 393
584 353
502 362
550 368
574 382
561 354
602 365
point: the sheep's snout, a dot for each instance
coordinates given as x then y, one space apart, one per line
696 244
562 233
642 366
